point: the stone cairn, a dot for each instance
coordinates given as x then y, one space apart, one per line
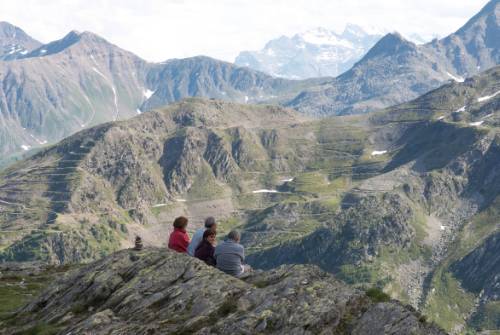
138 243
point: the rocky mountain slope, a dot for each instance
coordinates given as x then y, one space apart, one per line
156 291
416 226
64 86
396 70
315 53
14 42
207 77
396 199
50 91
82 80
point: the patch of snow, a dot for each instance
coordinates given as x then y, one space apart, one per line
288 180
138 111
180 200
488 116
460 110
99 72
264 191
112 88
24 52
476 124
25 147
159 205
441 117
488 97
91 107
455 78
322 36
147 93
378 153
43 51
246 98
442 227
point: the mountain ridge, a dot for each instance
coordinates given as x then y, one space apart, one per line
317 52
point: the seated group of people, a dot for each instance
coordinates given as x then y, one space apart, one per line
228 256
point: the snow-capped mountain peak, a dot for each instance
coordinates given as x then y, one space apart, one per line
322 36
317 52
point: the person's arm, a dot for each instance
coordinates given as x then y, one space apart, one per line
185 242
242 254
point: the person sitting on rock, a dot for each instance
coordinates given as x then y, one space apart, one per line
179 239
198 236
230 255
205 250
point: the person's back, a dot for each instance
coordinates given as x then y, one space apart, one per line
179 239
230 255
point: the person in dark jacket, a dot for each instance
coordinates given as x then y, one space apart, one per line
205 250
179 239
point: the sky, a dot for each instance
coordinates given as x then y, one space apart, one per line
158 30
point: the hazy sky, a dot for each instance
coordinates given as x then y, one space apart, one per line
160 29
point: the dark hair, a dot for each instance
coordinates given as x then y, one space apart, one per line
209 232
180 222
209 222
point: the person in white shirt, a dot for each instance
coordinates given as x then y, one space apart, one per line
198 235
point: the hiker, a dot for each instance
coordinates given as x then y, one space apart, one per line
198 236
230 254
205 250
179 239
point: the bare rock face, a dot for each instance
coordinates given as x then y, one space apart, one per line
156 291
14 42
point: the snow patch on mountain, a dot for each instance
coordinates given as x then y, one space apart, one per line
456 78
488 97
147 93
317 52
379 152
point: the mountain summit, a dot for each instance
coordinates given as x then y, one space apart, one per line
315 53
14 42
390 44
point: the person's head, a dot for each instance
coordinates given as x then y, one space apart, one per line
210 223
181 222
209 236
233 235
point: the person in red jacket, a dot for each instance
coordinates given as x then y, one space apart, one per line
179 239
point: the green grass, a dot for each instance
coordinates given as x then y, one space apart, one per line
224 226
14 295
205 186
448 303
377 295
40 329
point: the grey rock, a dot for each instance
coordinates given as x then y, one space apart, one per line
108 296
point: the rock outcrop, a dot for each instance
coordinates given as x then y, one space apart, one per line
156 291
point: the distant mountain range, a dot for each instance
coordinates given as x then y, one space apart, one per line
315 53
50 91
397 70
405 199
